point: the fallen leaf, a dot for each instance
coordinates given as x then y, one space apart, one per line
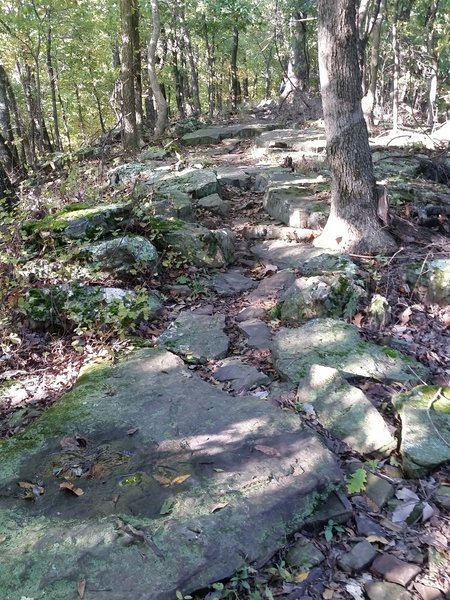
406 494
300 577
217 470
328 594
167 478
130 530
355 590
267 450
2 539
219 506
402 512
427 512
357 319
132 431
404 317
26 485
71 488
81 587
180 479
167 506
377 539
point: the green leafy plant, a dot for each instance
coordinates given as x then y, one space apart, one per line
357 481
330 529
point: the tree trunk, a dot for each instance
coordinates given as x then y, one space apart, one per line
209 42
51 80
193 72
369 98
396 73
160 101
233 70
353 224
8 150
434 61
8 196
137 68
129 129
80 110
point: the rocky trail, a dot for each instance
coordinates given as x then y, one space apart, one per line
281 428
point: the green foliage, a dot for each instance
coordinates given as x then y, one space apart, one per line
330 529
357 481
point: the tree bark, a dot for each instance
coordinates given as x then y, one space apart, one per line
51 80
233 70
137 68
129 129
370 97
209 42
160 101
396 73
8 196
434 61
8 150
353 224
193 72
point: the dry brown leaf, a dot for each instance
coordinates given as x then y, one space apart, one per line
267 450
357 319
377 539
328 594
81 587
170 479
406 314
300 577
71 488
26 485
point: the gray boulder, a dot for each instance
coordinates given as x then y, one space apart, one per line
293 201
214 204
425 416
121 254
198 338
345 411
200 246
241 376
333 343
322 296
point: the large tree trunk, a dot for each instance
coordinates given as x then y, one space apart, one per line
396 72
209 42
193 72
297 80
129 129
434 61
160 101
353 225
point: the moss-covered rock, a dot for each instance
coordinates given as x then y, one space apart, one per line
431 280
81 222
90 307
322 296
425 417
200 246
121 254
336 344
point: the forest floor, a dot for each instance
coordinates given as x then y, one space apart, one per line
45 365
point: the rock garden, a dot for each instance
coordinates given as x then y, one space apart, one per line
196 402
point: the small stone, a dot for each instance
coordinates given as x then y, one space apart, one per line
394 570
427 592
303 555
337 507
442 495
213 203
232 282
250 312
367 526
241 376
359 557
379 490
271 288
257 332
380 590
379 312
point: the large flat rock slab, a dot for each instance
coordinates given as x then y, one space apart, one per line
179 485
309 141
333 343
217 133
310 261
